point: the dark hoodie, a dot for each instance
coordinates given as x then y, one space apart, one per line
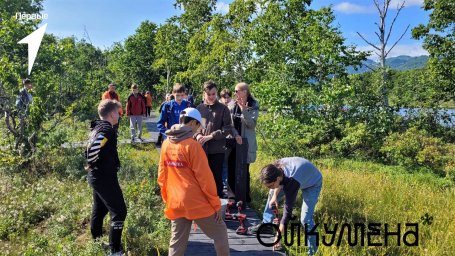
101 154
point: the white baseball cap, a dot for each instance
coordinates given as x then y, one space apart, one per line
193 113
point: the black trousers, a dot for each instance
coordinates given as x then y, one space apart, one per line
107 197
216 165
148 109
231 175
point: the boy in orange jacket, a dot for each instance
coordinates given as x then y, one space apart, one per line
188 188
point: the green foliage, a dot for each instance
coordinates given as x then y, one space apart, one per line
439 41
415 148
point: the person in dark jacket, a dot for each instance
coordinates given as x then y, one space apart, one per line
216 118
25 98
102 165
135 110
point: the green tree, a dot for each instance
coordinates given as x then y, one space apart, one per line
439 41
132 62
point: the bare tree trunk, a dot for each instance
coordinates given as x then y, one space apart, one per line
383 37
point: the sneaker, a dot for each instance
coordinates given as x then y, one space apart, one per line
265 230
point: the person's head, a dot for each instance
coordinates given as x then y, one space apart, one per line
191 117
108 111
210 92
27 83
271 176
111 87
226 96
134 88
242 90
147 92
167 97
179 92
185 96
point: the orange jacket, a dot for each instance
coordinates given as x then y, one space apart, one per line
106 95
149 99
187 185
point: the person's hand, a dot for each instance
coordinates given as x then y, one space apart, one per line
238 138
218 218
241 103
277 246
203 139
273 202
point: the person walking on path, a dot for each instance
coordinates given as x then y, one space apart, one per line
226 99
135 110
148 105
170 112
216 119
285 178
245 114
111 94
187 187
102 165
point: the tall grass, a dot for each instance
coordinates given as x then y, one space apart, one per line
49 214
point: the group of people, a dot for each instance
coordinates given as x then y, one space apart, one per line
138 106
195 165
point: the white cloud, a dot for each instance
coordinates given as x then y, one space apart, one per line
222 7
412 50
350 8
346 7
395 3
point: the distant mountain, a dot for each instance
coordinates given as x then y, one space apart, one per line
402 62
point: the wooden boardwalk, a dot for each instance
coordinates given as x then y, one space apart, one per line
200 245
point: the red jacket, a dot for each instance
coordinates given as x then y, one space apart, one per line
135 106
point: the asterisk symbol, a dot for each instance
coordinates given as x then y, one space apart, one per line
427 219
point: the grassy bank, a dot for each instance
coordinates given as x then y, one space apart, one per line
50 214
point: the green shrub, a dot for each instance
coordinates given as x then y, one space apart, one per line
357 140
415 148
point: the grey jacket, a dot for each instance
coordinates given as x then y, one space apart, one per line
249 119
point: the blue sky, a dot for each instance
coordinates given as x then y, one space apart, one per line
108 21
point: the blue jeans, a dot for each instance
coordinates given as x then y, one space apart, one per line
310 198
